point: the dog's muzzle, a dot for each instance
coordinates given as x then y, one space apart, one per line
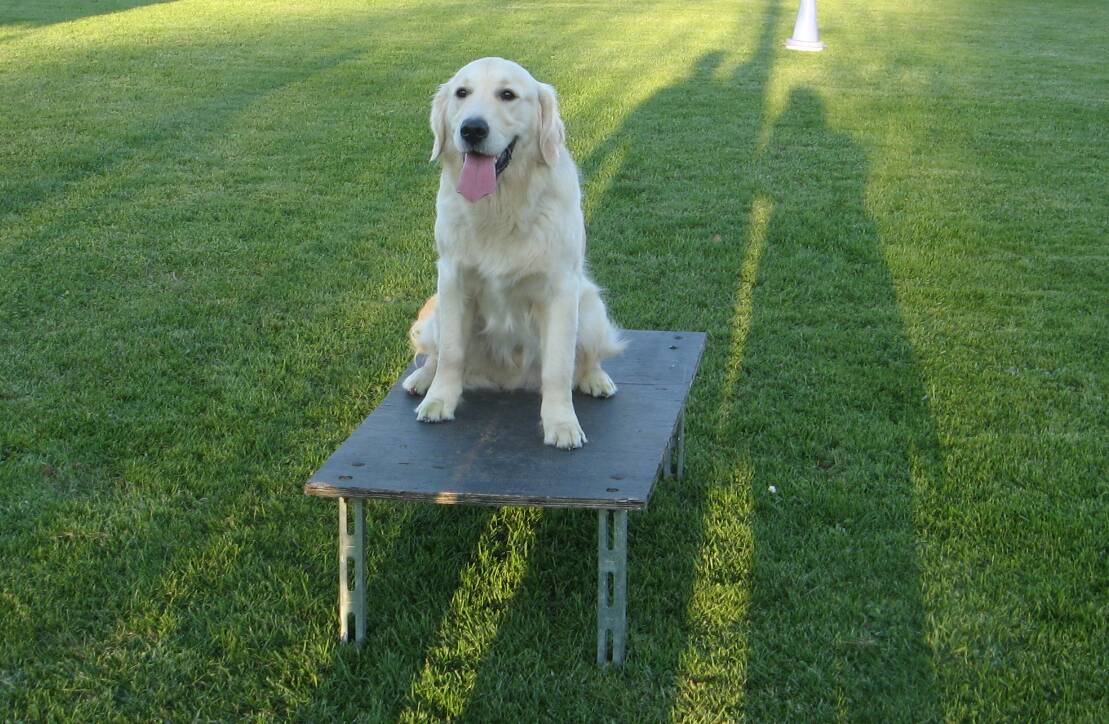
480 173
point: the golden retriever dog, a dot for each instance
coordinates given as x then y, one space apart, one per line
514 307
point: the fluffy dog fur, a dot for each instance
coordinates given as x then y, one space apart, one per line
514 306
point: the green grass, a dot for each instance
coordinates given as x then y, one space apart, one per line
215 226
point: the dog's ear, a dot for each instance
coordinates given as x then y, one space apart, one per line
439 126
552 133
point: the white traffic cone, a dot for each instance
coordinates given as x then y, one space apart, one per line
806 36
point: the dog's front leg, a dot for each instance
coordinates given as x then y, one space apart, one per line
442 397
559 337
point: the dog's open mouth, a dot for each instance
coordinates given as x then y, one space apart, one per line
479 173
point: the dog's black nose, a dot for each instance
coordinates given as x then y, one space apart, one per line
474 130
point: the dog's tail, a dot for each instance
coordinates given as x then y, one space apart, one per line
598 337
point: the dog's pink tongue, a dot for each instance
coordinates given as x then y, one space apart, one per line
478 178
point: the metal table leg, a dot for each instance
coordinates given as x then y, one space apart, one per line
352 594
674 458
680 470
612 586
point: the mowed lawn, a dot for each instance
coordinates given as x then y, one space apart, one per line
216 224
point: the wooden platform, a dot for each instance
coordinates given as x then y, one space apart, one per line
493 452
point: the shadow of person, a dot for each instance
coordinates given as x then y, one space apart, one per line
668 200
831 408
669 232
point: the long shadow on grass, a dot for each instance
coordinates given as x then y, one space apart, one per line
810 595
38 13
667 240
830 408
99 152
98 592
409 590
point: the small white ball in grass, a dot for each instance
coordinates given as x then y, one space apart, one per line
773 489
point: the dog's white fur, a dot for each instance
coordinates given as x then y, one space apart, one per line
514 307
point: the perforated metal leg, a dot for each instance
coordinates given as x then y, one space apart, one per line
674 459
612 586
352 594
679 472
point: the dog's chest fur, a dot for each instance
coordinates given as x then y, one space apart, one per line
517 242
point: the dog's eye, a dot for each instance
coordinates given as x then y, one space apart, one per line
507 95
461 93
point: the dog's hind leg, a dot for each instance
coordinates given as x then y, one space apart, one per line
598 340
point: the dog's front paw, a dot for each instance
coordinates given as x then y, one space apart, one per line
417 382
597 383
436 409
564 433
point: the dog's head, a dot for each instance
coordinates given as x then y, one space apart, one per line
490 114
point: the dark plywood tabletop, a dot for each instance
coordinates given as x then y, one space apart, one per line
492 453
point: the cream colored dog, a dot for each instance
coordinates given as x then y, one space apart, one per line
514 307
